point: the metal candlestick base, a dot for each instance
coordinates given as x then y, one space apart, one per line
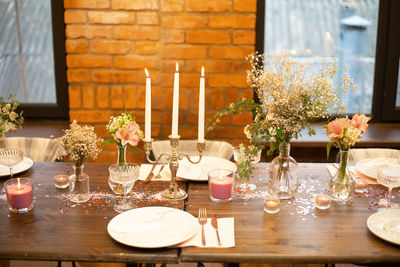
173 192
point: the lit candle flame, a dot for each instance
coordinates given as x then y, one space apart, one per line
19 183
177 67
202 71
147 73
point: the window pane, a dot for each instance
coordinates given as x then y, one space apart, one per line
26 51
315 30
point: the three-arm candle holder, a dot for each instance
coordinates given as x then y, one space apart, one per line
174 192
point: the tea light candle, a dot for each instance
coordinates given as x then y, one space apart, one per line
271 205
61 181
323 201
361 186
19 194
221 187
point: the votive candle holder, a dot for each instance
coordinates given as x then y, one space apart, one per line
361 186
19 193
272 204
322 201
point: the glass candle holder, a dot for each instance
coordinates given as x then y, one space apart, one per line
272 204
361 186
220 185
322 201
19 194
61 181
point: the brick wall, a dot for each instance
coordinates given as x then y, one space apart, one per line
110 42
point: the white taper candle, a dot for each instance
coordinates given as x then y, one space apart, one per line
201 108
147 132
175 105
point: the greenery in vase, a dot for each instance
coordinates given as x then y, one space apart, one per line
10 120
124 130
80 143
290 100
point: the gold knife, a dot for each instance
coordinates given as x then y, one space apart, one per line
214 223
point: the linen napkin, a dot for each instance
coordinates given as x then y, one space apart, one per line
146 168
333 170
226 231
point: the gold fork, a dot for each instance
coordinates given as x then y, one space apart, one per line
202 221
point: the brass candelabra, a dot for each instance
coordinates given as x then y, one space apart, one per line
173 192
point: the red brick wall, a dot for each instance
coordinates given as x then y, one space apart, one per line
110 42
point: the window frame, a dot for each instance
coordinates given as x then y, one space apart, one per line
60 109
386 59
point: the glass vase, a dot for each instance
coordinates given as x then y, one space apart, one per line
121 160
79 190
283 174
342 184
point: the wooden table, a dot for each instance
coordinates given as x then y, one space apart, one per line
59 230
299 233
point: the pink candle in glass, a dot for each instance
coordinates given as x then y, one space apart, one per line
221 187
19 196
220 183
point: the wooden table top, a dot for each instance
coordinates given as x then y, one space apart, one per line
299 233
56 229
59 230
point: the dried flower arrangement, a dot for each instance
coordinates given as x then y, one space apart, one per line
80 143
290 99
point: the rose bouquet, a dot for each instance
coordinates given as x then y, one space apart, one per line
344 133
125 132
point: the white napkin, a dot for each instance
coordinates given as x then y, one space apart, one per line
226 231
146 168
333 170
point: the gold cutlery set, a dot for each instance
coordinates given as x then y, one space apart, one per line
203 220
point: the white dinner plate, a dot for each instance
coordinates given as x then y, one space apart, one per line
198 172
24 165
370 167
153 227
386 225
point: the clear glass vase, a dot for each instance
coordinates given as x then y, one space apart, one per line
283 174
79 190
342 184
121 160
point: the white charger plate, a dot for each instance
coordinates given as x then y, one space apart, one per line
153 227
198 172
24 165
386 225
370 167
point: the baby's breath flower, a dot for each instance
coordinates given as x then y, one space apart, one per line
80 143
9 119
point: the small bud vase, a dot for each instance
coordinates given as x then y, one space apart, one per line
342 184
79 190
283 174
121 160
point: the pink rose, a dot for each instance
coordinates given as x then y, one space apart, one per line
336 128
360 122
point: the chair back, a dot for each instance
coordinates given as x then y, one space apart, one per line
37 149
219 149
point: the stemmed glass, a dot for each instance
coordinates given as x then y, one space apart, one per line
122 178
11 157
245 186
390 178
